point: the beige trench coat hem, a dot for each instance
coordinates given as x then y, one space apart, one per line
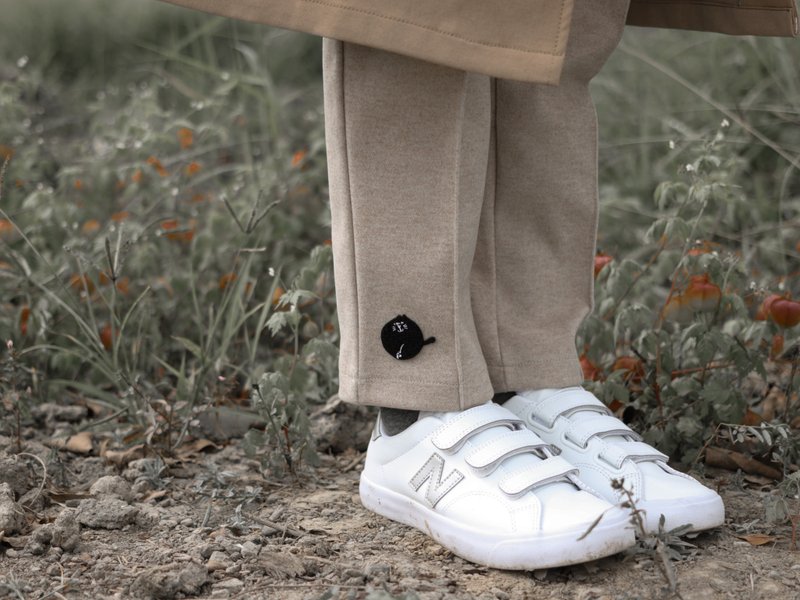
369 28
722 17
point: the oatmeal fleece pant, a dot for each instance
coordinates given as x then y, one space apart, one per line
464 221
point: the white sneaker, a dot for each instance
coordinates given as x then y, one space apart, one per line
489 490
604 448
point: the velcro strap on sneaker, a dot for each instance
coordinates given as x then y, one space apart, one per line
488 456
453 434
579 432
544 472
548 410
616 453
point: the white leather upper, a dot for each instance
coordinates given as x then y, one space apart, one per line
602 446
483 467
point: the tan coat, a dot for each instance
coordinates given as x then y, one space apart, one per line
513 39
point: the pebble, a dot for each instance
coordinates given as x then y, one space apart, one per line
112 486
249 550
105 513
232 584
167 581
12 518
148 516
378 570
218 561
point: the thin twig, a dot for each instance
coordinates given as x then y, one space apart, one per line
44 476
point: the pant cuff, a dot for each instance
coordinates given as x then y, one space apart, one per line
412 395
556 371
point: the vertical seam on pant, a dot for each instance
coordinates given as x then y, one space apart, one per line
494 232
456 231
346 159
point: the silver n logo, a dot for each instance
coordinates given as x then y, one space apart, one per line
432 472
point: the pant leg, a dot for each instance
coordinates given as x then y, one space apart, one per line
408 146
533 275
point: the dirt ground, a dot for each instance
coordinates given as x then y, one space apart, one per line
207 524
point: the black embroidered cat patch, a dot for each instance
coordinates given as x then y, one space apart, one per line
403 338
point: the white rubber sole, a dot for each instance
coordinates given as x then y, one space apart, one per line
613 534
700 514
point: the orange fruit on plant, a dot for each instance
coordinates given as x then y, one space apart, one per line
6 227
91 226
106 336
701 294
777 345
633 367
24 315
185 137
600 261
298 157
276 295
123 284
785 312
590 370
226 280
762 314
677 309
81 282
193 168
156 164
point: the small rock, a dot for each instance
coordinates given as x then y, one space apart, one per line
105 513
17 473
51 413
249 550
113 486
148 516
66 530
187 522
12 519
34 499
39 541
142 466
218 561
281 564
338 426
221 423
167 581
231 585
206 550
142 486
378 571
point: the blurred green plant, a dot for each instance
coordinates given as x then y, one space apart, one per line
167 177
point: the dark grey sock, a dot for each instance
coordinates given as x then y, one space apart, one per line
501 397
396 420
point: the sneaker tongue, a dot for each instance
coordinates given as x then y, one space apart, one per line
541 394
